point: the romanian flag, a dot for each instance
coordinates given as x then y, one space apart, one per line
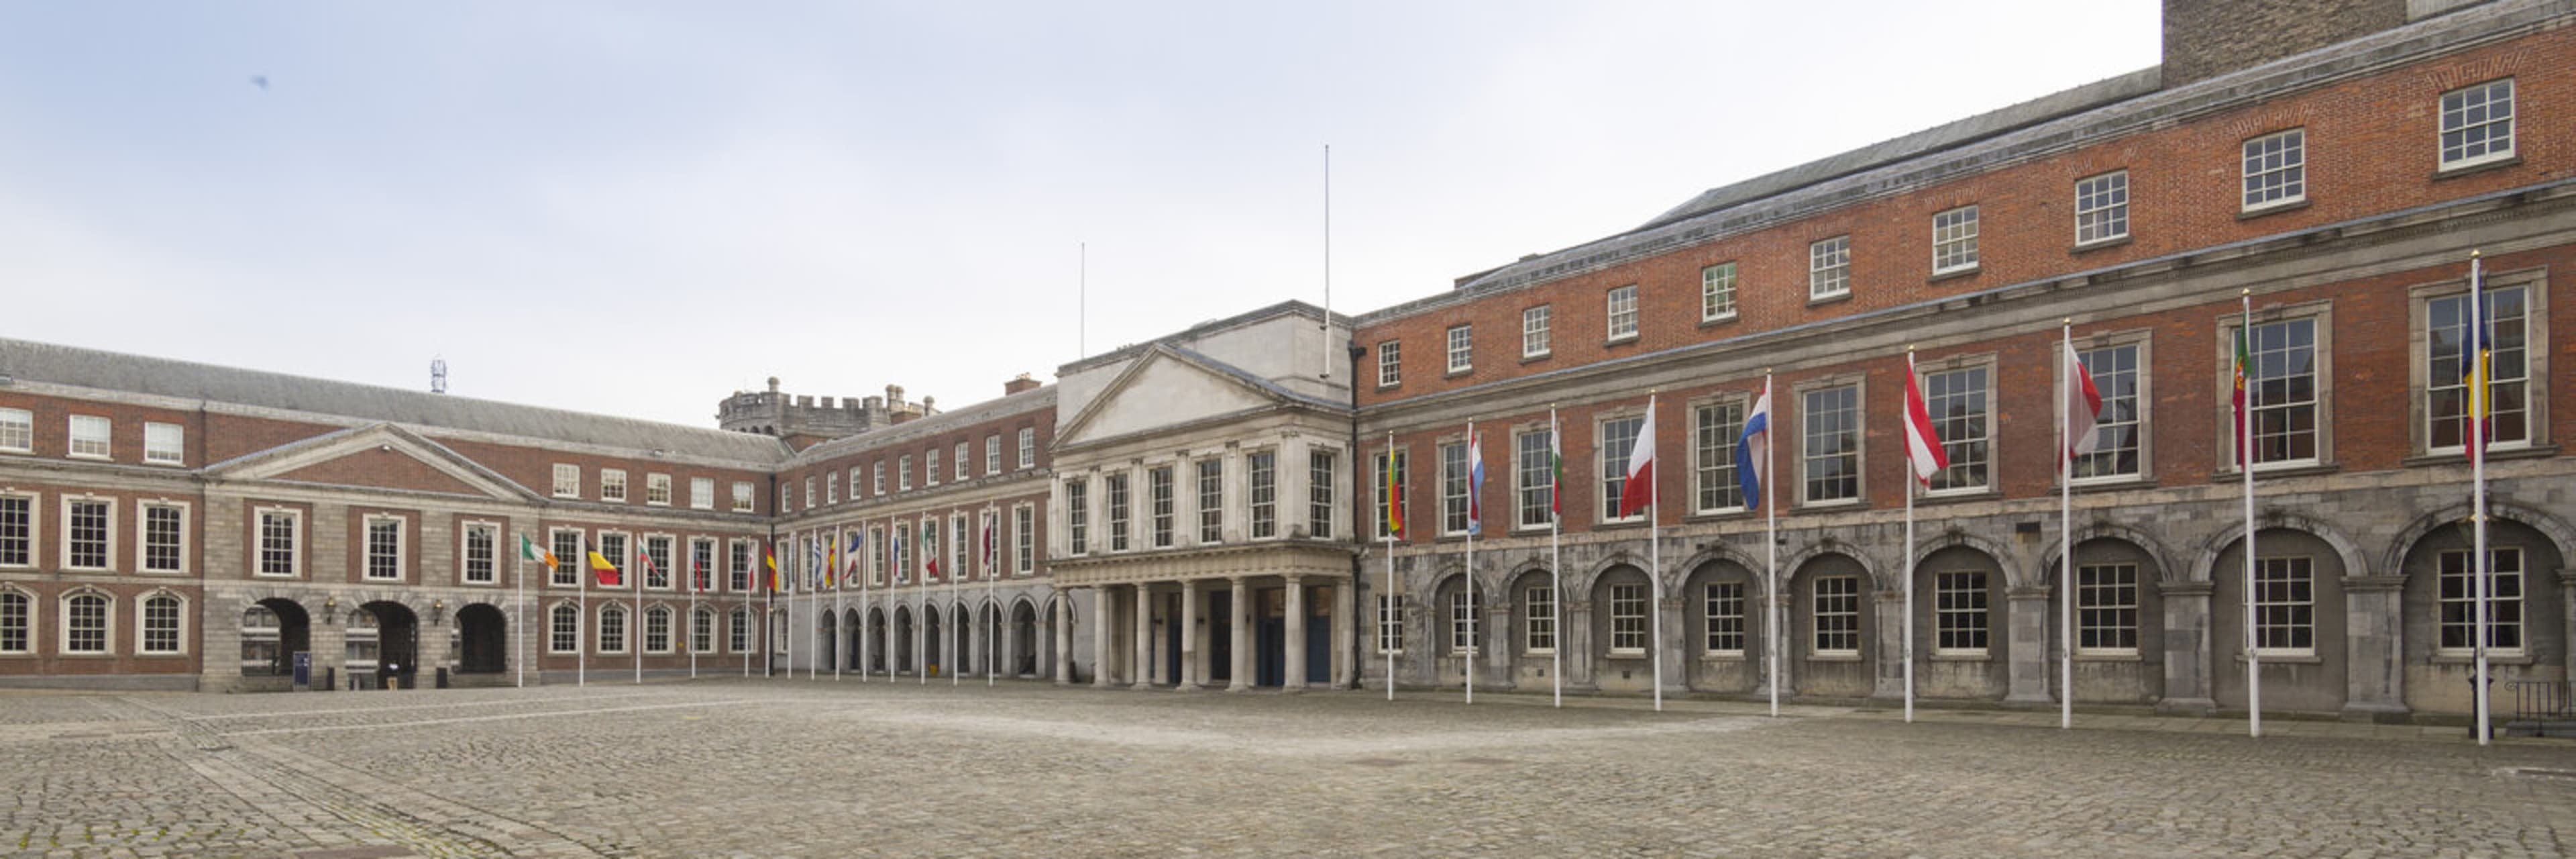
2477 368
609 576
1394 495
529 550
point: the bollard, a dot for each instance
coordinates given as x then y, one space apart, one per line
442 677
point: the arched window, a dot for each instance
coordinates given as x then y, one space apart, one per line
702 631
657 630
17 623
612 629
85 623
740 639
563 632
163 626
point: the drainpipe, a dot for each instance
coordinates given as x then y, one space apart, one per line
1362 616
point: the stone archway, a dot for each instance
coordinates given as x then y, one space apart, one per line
273 631
397 642
483 635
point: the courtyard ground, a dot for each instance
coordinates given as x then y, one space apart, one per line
762 768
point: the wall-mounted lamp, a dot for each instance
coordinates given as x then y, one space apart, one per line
330 602
439 605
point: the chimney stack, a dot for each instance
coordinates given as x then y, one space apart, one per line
1022 383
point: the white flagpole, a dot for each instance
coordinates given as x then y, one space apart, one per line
1905 410
813 611
2245 473
636 624
519 619
768 606
694 572
993 621
581 652
840 581
867 571
957 630
1386 601
1771 545
2476 441
1474 605
1654 551
2066 538
1555 557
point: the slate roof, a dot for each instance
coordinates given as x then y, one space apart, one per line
117 371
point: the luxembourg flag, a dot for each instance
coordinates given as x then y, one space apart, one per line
1753 449
1638 491
1475 484
1922 442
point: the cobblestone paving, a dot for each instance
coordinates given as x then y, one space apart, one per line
818 768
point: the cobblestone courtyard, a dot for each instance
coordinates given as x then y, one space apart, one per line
818 768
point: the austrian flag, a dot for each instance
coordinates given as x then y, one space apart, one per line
1922 442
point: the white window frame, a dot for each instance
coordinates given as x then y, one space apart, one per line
612 484
1263 495
903 473
964 467
143 535
1390 624
1028 447
107 539
2099 608
1162 502
1024 539
620 559
2141 421
2264 601
2101 208
809 492
667 567
1713 465
367 547
1539 631
164 444
1970 453
107 619
17 431
1462 348
1619 313
29 616
1210 494
294 542
832 487
1608 469
143 624
992 455
1465 607
625 629
2321 344
2463 118
742 565
2504 611
1323 491
555 632
1455 504
738 635
2535 361
1630 610
702 493
1535 338
1954 240
567 480
855 474
2274 170
1818 611
1829 268
1076 493
1390 363
745 499
1723 608
1717 292
569 568
1858 451
1377 484
1118 492
34 536
1971 625
646 630
98 443
930 466
707 614
702 556
657 490
1532 479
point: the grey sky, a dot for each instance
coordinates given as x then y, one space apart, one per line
637 208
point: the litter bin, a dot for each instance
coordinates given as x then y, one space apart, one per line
442 677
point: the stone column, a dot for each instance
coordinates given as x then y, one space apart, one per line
2187 649
1292 663
1144 644
1890 642
1104 612
1242 621
1191 673
1063 638
2374 658
2029 615
1345 647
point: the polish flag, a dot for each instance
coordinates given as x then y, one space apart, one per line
1922 442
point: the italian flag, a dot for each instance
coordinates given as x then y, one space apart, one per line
528 551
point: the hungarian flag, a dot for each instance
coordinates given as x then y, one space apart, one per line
1753 449
1922 442
1394 499
1638 491
530 551
609 575
2243 398
1475 484
1555 468
2083 408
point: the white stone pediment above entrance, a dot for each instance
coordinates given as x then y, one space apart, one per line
375 457
1166 387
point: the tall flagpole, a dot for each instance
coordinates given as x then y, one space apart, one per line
2474 346
2066 537
1555 559
867 572
993 625
2245 473
519 619
769 606
1911 480
581 652
694 585
957 632
840 581
1654 550
1386 601
1474 605
638 622
1770 545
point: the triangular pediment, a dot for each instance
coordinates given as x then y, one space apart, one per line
377 458
1165 388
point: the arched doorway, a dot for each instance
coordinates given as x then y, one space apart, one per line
1024 661
830 638
903 650
930 655
273 631
483 635
852 634
877 643
397 645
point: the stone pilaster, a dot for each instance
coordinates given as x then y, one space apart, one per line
2374 658
1104 611
2026 622
1293 662
1063 640
1142 666
1891 644
2188 688
1574 634
1241 627
1668 644
1192 674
